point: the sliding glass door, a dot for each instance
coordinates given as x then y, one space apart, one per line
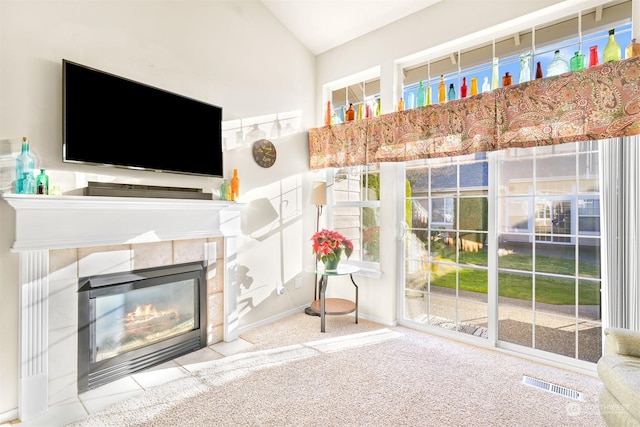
446 264
512 255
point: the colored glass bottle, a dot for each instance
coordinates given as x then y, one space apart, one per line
506 79
429 94
525 68
558 65
378 107
235 186
400 105
350 114
421 96
495 74
327 114
360 112
485 85
593 56
25 183
463 88
474 86
451 94
42 183
224 190
442 90
538 70
612 49
632 50
577 61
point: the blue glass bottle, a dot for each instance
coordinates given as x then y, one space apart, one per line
452 93
25 183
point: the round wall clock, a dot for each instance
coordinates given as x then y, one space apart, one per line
264 153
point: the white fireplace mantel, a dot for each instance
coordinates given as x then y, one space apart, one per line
43 223
57 222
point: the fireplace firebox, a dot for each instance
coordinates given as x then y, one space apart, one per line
134 320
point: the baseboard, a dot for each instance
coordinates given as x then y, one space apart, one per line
269 320
288 313
8 416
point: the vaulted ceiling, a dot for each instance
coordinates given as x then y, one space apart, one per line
324 24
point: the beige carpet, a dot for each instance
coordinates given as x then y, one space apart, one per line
359 375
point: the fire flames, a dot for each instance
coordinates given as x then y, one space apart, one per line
146 312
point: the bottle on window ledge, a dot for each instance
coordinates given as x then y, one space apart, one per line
463 88
401 105
612 49
474 86
327 114
525 68
577 61
421 95
506 79
495 75
350 114
442 90
593 56
452 93
486 87
558 65
632 50
538 70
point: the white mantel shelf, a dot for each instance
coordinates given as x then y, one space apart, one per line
58 222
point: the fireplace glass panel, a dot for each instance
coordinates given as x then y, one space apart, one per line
140 317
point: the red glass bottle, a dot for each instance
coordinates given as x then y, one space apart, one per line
593 56
538 70
463 88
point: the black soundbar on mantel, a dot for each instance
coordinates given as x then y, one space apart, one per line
135 190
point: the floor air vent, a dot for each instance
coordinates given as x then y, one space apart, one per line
552 388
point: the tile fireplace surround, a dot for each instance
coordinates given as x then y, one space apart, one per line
62 238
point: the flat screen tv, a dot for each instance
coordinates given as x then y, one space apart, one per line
113 121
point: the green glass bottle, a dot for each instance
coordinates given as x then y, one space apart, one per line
24 170
612 49
42 183
577 62
421 96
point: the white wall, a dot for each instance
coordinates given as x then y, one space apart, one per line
234 54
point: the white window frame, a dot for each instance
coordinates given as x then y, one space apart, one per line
367 268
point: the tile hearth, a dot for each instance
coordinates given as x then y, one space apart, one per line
79 407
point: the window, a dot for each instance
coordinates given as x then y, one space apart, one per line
364 96
567 35
355 212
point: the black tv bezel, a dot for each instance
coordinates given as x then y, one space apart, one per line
217 170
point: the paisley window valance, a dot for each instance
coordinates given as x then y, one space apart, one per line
596 103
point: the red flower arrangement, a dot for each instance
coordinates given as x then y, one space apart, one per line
328 245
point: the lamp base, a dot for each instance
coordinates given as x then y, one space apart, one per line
311 312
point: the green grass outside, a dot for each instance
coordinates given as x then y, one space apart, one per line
550 290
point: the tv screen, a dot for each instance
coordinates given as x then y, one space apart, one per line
113 121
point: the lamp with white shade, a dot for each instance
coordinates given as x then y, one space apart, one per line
318 198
